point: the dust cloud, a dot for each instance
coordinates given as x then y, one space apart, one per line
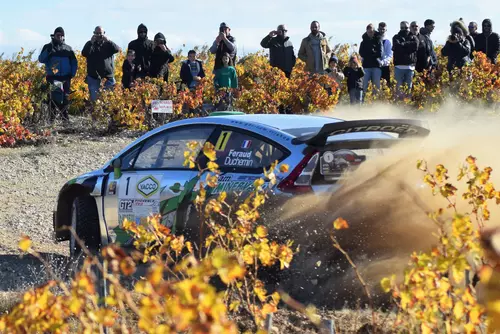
385 203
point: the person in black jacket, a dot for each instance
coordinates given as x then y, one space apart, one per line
354 73
129 70
405 46
426 56
281 53
192 70
488 42
143 48
100 52
461 24
457 49
160 58
224 42
371 50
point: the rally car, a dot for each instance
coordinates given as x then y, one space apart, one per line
149 177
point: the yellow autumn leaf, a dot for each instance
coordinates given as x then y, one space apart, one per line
261 231
386 284
458 310
24 243
284 168
340 223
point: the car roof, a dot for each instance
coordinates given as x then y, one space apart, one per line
312 122
283 122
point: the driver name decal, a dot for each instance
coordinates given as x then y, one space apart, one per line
240 159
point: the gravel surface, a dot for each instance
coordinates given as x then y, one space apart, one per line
31 177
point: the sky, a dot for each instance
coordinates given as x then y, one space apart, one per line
29 23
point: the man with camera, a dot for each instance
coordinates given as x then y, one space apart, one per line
281 54
224 42
457 49
100 52
161 58
60 63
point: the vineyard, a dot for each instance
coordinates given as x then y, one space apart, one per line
263 89
221 285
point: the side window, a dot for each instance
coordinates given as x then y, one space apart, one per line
243 151
128 158
166 150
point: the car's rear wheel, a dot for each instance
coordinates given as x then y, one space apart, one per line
85 222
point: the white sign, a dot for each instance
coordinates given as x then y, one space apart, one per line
162 106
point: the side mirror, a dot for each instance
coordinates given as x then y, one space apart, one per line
117 165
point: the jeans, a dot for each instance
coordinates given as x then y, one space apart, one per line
95 85
372 74
356 95
403 77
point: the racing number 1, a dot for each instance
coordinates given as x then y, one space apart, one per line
222 141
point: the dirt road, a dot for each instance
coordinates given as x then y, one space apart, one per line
30 178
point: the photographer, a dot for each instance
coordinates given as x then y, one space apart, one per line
161 58
457 49
60 62
99 52
224 43
281 53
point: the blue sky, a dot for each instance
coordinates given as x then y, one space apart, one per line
28 23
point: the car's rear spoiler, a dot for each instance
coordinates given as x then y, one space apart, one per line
406 128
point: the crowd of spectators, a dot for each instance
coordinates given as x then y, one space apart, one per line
410 50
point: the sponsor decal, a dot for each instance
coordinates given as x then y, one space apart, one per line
334 164
246 144
126 205
401 129
240 159
241 184
112 188
148 186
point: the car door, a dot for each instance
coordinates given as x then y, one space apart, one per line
242 156
154 180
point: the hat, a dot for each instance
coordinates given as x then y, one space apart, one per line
160 36
223 25
486 21
59 30
333 58
142 27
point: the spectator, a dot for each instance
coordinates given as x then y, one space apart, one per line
460 24
281 53
143 48
225 76
334 73
60 63
457 49
474 33
421 58
129 70
488 42
160 58
370 51
386 54
224 43
426 59
314 50
404 46
100 52
354 73
192 70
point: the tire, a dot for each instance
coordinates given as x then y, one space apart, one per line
85 222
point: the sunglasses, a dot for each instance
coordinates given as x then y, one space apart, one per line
283 30
143 32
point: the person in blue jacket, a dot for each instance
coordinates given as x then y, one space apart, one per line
60 63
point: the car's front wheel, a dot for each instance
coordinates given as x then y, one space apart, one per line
85 222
